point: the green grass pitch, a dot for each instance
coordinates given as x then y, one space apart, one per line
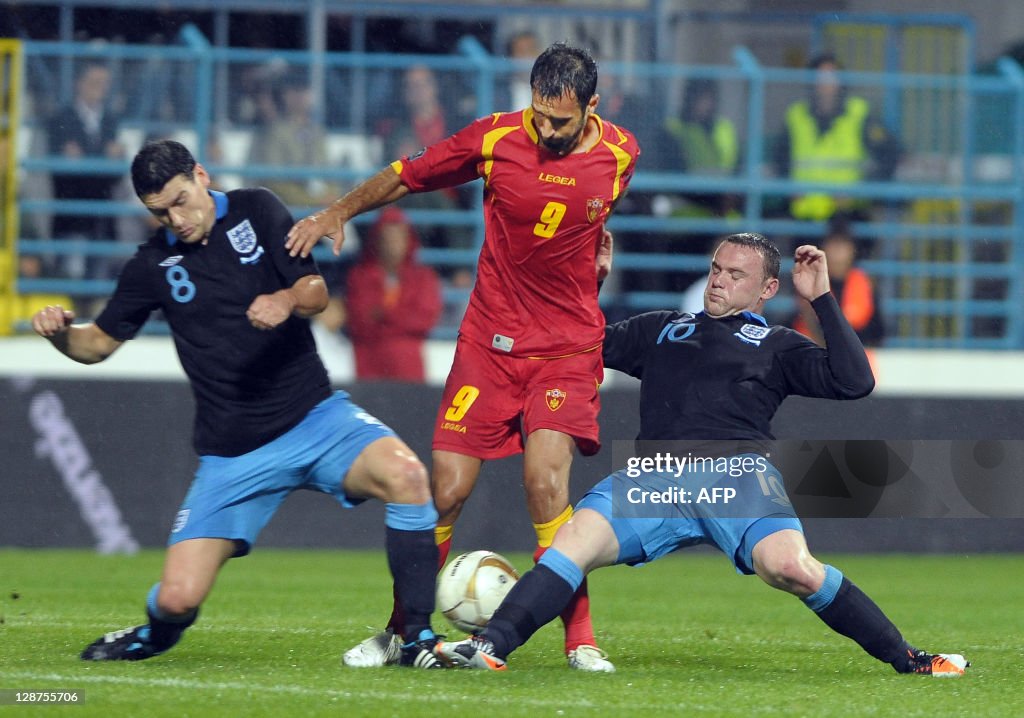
689 637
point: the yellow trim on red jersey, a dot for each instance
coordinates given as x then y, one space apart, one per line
397 167
622 160
487 148
528 125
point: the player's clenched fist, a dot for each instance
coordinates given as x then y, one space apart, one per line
269 310
51 320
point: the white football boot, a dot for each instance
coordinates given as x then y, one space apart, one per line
381 649
590 658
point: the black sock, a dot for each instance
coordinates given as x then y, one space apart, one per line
412 558
165 633
854 615
537 598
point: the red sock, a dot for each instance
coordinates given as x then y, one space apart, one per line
443 549
397 621
579 630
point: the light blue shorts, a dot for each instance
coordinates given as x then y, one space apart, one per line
648 533
234 497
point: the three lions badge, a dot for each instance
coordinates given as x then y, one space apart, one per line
244 241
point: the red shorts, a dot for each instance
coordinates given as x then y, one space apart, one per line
492 400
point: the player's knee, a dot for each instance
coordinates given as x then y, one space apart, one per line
793 573
547 489
449 497
179 597
405 480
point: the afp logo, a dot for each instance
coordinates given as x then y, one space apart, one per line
678 330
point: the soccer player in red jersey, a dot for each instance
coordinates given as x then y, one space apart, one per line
528 358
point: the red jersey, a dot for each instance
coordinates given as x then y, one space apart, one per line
536 287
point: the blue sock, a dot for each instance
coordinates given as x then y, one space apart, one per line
823 597
563 566
425 635
410 517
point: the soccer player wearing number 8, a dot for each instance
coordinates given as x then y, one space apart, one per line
528 357
266 422
716 377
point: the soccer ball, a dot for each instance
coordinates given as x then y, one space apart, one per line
471 588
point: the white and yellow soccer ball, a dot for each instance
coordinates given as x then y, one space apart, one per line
471 588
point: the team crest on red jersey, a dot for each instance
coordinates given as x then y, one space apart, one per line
594 207
555 398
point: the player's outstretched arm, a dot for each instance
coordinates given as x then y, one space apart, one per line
383 188
85 343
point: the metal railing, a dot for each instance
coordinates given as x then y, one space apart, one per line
971 286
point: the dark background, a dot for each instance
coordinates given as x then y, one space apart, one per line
137 434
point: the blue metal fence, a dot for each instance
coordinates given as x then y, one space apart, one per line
972 295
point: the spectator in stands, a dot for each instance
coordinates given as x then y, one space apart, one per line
523 47
833 137
392 302
294 139
851 286
701 141
424 123
253 101
423 119
85 128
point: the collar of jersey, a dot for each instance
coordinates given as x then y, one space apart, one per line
754 317
220 204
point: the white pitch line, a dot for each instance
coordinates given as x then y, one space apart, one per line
212 628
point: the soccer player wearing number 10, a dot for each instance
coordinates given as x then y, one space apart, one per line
716 379
267 422
528 357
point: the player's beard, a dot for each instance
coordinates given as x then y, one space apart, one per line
565 145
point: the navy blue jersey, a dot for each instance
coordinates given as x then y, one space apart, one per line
250 385
723 379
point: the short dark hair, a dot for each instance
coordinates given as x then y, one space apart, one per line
90 65
157 163
823 58
770 255
563 68
839 224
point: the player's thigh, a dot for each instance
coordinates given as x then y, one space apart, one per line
639 539
481 405
387 469
352 456
562 395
